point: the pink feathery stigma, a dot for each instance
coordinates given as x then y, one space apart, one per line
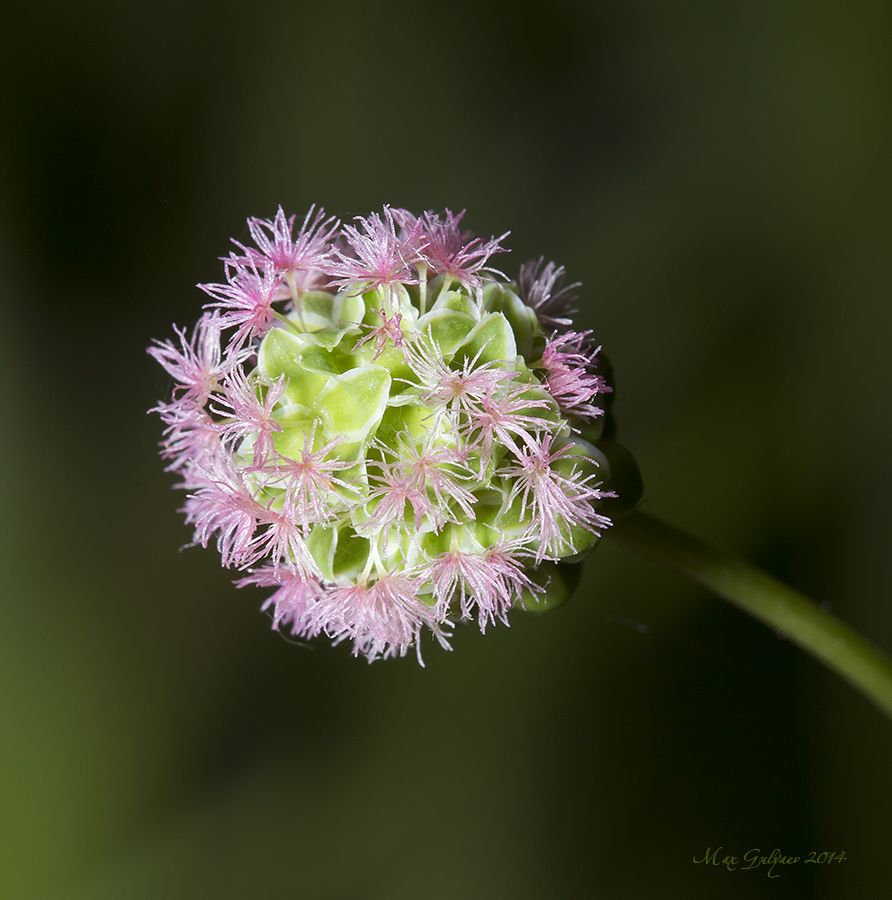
379 258
451 251
223 504
437 470
567 361
541 286
301 259
394 493
309 483
491 582
501 417
248 407
554 502
388 332
191 437
454 389
383 619
284 543
292 601
425 475
196 365
246 300
411 233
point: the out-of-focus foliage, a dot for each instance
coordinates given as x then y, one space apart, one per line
717 176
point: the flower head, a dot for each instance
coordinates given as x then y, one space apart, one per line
379 426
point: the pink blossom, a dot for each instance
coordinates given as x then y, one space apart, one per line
284 543
542 288
424 475
302 259
248 414
393 493
567 363
378 259
246 300
553 501
293 600
196 364
383 619
308 480
389 331
501 417
191 437
223 505
450 251
435 469
492 581
455 390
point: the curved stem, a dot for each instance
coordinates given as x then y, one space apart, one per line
839 647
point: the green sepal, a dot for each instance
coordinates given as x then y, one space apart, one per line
348 309
434 543
394 300
447 327
560 580
591 430
294 437
492 338
279 354
303 385
301 359
321 543
414 418
494 519
580 545
351 553
623 477
351 405
328 362
316 310
522 319
328 340
455 301
550 412
583 457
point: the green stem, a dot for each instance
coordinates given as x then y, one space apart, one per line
839 647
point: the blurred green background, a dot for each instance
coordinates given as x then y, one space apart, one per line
717 174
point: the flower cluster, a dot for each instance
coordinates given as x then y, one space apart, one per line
377 424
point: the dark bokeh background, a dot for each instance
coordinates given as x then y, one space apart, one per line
717 174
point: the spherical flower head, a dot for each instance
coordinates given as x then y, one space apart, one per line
387 431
